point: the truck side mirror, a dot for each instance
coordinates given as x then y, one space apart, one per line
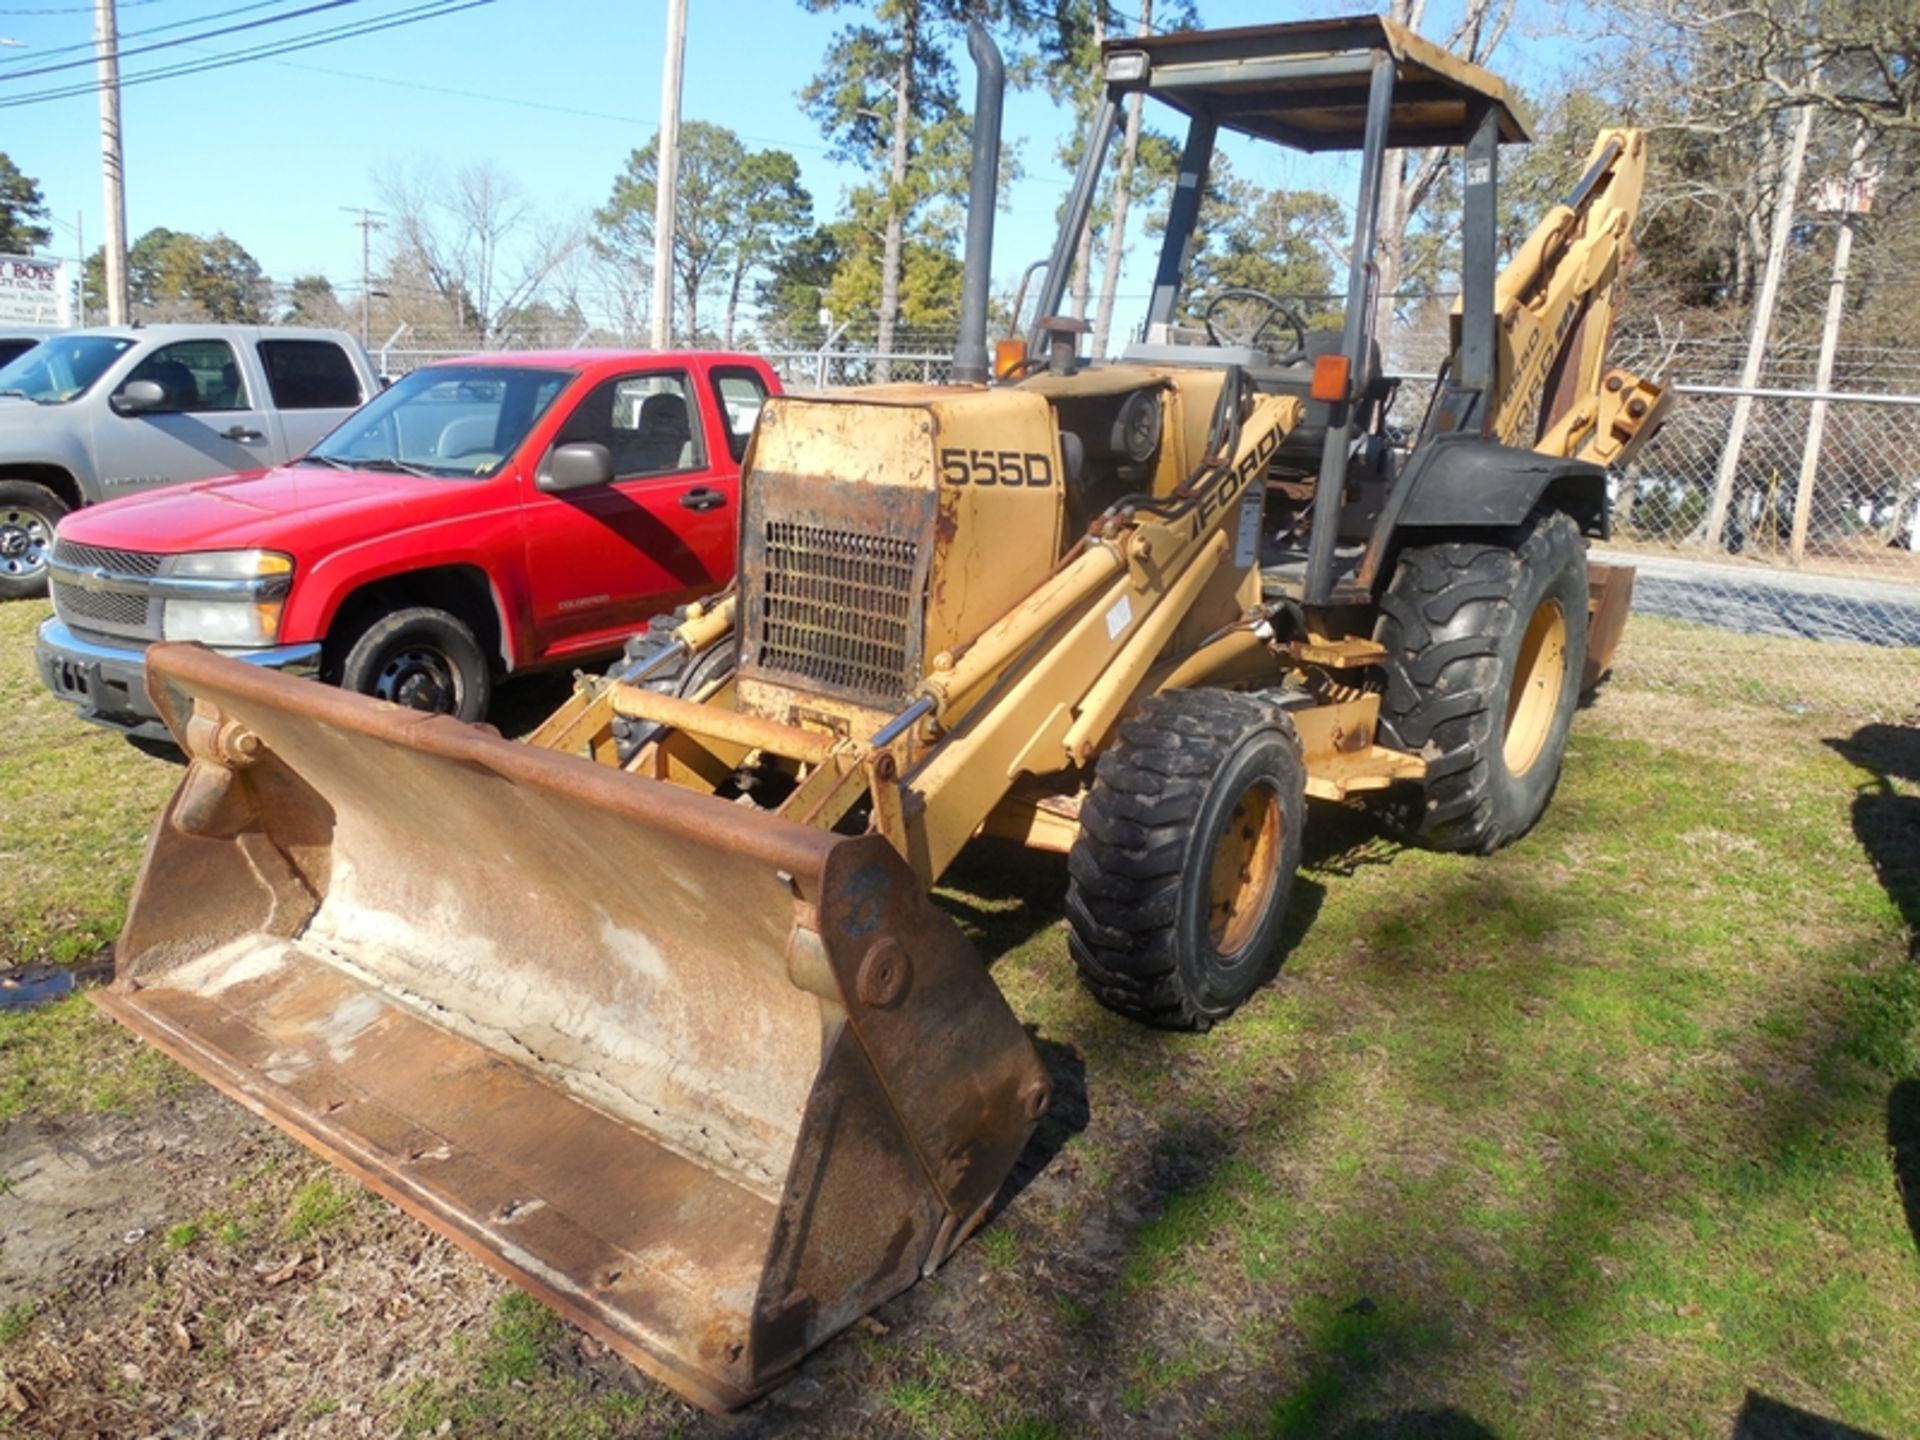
139 397
576 466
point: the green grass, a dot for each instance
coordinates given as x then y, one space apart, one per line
513 1381
78 803
1596 1127
1587 1137
317 1207
69 1057
16 1320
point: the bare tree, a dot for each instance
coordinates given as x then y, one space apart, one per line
1411 176
1855 58
474 238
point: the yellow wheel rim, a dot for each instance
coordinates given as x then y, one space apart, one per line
1538 674
1244 871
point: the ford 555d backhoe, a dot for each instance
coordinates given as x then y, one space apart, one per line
654 1013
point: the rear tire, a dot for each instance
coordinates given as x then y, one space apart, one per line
1188 844
28 515
1486 643
424 659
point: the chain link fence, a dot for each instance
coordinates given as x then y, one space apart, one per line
1776 549
797 369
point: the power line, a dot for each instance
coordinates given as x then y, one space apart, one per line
433 10
123 51
74 9
41 54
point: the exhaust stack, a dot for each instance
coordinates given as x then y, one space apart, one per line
970 360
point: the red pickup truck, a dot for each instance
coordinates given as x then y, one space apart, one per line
484 516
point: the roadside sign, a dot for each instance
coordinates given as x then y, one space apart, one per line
34 292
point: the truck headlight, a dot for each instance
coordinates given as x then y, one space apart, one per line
248 617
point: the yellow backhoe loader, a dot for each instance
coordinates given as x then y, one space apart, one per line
654 1012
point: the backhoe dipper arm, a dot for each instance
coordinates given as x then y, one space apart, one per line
1555 304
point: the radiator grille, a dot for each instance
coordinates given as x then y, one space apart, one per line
94 557
91 610
105 612
839 608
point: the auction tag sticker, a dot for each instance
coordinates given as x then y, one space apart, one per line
1119 617
1246 544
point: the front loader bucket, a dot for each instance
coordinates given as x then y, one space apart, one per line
709 1083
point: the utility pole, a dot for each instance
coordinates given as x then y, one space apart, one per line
1117 220
1829 343
80 244
1729 471
667 173
368 222
106 40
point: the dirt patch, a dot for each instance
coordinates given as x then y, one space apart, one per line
83 1192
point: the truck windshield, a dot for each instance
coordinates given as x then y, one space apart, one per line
63 368
460 421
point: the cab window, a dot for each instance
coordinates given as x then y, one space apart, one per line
196 374
741 393
309 375
649 424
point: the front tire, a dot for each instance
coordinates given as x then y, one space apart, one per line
1189 839
1486 643
424 659
28 515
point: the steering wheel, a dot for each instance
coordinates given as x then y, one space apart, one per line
1241 317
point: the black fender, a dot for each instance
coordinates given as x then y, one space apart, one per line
1464 482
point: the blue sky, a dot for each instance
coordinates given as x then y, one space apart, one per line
555 92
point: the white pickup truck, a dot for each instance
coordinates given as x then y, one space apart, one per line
94 414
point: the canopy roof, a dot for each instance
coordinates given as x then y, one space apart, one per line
1304 85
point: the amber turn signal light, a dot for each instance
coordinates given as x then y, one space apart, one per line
1008 356
1330 375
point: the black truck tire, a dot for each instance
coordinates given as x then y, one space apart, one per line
423 658
1189 839
1486 641
28 514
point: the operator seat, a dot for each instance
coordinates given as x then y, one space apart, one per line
1302 447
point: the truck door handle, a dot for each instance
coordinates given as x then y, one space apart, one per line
703 498
240 432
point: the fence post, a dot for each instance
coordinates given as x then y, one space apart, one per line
1829 342
1729 471
387 349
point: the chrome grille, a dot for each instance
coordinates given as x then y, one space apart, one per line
100 610
95 557
839 608
106 612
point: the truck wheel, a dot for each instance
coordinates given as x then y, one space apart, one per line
28 513
422 658
1189 840
682 677
1486 641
